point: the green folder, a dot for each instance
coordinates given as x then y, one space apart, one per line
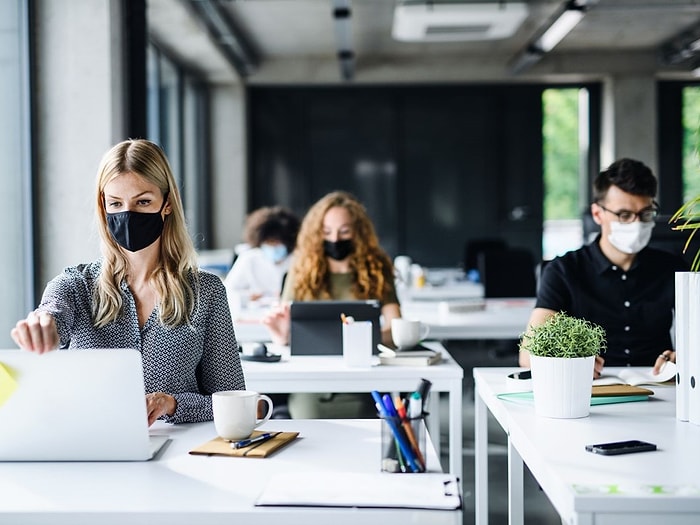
602 400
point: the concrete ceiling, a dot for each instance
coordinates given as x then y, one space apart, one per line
295 42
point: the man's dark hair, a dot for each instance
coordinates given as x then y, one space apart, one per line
630 175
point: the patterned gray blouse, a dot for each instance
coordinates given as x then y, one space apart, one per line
189 362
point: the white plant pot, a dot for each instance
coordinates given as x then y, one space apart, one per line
562 386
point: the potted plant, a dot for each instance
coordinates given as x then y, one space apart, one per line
687 218
562 355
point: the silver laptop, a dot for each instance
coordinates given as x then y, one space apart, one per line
74 405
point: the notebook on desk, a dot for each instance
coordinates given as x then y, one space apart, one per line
316 326
74 405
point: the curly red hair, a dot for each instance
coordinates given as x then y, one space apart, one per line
372 268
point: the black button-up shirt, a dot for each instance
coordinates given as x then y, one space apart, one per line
635 307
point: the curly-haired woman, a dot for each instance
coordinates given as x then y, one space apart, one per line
337 257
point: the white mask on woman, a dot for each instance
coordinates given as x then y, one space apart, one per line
630 238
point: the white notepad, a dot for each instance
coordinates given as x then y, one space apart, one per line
351 489
74 405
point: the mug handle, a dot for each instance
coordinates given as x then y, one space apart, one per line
425 329
267 416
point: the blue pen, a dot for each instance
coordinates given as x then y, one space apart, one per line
388 412
247 442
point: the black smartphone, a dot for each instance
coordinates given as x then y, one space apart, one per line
621 447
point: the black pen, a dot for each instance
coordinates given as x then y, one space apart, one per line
424 389
251 441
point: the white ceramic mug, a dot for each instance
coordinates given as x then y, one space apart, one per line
236 413
402 264
407 333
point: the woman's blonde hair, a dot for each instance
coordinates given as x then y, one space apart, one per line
173 279
370 265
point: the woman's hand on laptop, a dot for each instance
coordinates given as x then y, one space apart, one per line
159 404
37 333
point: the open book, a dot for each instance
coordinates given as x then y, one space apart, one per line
636 376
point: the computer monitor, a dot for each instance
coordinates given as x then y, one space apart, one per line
317 327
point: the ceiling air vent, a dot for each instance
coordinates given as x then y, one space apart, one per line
435 22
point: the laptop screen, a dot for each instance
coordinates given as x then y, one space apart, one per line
73 405
317 327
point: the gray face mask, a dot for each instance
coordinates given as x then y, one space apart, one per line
630 238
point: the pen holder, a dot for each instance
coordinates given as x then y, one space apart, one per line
403 444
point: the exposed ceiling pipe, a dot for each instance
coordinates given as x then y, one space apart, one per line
342 17
226 35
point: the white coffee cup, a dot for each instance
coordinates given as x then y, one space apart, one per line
402 264
236 413
407 333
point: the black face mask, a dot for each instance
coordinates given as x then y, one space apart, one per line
134 230
338 250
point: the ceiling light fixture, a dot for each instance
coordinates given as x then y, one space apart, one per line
561 27
567 17
682 48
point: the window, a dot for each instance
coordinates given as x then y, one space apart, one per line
691 142
16 263
178 120
564 144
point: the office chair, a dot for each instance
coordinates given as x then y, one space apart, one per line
507 272
474 247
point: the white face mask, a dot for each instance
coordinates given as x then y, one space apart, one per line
630 238
274 252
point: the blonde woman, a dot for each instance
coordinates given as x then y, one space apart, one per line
146 292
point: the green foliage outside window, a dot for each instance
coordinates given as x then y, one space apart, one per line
561 154
691 142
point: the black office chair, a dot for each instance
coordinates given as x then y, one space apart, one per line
474 247
507 272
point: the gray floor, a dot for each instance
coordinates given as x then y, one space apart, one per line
538 510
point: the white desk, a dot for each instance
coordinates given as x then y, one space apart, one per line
501 319
580 484
450 291
329 374
177 488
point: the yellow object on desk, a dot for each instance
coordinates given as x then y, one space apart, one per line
8 385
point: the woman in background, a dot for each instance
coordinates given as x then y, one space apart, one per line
337 257
258 272
146 292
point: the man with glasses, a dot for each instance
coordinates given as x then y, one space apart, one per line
617 281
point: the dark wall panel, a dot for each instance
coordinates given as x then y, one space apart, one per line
435 166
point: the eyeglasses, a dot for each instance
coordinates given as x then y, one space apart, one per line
626 216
